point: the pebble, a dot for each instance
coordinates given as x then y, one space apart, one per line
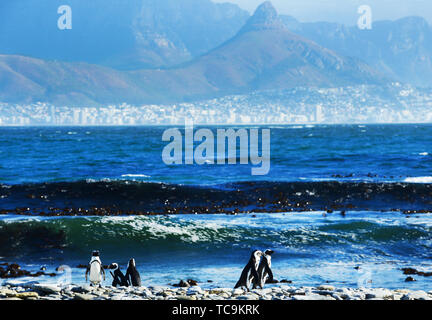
313 297
326 287
34 291
84 296
46 288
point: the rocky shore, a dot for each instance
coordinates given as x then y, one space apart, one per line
36 291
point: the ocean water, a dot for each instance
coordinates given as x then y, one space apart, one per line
298 153
373 179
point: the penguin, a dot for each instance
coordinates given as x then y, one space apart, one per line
264 270
119 278
249 272
95 269
132 274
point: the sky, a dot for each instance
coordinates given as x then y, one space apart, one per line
344 11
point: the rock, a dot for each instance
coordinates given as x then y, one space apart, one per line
158 288
412 271
262 292
402 291
382 294
337 297
247 297
225 295
27 295
416 295
186 298
46 288
326 287
313 297
83 296
182 284
322 292
192 282
238 292
194 290
82 289
20 283
222 290
7 293
409 279
298 292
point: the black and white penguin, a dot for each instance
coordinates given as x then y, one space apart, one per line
95 269
250 272
132 274
119 279
264 270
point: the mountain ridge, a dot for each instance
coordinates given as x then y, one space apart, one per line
401 49
263 54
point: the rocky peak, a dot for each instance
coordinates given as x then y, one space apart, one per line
265 17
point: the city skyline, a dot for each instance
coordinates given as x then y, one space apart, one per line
357 104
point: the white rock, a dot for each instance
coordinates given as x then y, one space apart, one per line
416 295
237 292
20 283
313 297
194 290
46 288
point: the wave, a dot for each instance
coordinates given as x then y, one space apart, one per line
130 175
418 180
126 197
121 236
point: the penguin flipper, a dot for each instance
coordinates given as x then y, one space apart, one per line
255 274
242 282
270 273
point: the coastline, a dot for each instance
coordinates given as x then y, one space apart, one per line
35 291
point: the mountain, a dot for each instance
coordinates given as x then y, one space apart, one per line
120 34
401 49
263 54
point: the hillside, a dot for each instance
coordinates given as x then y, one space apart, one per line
125 35
401 49
264 54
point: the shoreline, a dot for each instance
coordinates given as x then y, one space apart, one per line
36 291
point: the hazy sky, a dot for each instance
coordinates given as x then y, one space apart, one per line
344 11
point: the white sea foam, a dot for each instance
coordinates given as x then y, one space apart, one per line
128 175
162 227
423 154
418 180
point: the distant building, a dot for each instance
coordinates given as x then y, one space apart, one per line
319 117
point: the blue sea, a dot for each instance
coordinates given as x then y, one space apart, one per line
344 204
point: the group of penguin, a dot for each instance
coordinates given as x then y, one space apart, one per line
256 273
96 271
